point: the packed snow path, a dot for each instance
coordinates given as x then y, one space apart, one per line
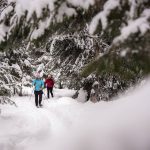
26 126
65 124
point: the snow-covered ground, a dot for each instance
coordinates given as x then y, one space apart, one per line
65 124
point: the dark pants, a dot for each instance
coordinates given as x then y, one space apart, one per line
50 90
38 97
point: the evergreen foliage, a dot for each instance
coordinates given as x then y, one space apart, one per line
112 57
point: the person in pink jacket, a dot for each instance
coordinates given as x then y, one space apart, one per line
49 83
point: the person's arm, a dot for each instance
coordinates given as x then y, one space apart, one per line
53 82
45 82
33 83
42 84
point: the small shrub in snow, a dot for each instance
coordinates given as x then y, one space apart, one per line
6 100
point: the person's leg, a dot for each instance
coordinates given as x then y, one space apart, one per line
36 98
48 92
40 98
51 90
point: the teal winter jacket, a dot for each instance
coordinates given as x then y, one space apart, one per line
39 84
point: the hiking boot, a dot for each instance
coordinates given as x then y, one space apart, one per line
40 105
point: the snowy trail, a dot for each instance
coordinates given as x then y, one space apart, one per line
64 123
28 124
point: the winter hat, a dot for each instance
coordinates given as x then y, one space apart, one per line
37 75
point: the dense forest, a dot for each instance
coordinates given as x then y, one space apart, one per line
99 46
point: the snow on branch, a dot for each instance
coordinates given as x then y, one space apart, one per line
82 3
102 16
134 18
37 14
5 100
140 24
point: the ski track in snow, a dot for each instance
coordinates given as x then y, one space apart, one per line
65 124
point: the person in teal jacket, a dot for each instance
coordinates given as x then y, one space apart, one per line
38 90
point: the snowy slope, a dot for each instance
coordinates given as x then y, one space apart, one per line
64 123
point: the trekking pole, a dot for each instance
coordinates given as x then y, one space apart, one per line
30 97
31 94
45 95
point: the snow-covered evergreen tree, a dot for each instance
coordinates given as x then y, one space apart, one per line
59 34
126 27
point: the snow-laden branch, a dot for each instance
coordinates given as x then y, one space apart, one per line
140 24
40 13
102 16
134 18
